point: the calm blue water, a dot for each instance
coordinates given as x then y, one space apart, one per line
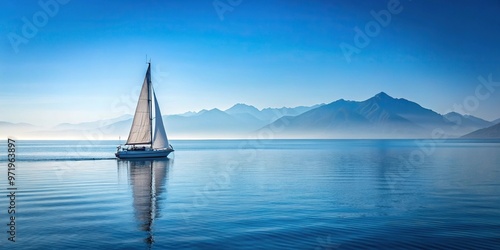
281 194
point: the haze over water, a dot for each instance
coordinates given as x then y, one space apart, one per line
272 194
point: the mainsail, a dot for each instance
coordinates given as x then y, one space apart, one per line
160 138
140 133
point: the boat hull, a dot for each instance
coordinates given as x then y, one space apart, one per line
134 154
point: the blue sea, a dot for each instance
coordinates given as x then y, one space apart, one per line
256 194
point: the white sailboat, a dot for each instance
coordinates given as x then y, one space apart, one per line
142 141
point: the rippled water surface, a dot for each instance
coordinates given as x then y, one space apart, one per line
282 194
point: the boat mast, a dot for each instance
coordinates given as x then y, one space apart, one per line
150 102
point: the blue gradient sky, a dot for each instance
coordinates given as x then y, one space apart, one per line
88 61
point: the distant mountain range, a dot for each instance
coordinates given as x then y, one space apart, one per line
238 121
91 125
492 132
381 116
8 129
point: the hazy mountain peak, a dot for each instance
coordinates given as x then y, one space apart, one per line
214 113
241 108
189 113
242 105
16 124
384 98
201 112
339 101
452 113
468 120
216 110
383 95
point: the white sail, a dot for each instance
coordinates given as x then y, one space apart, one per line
160 136
140 133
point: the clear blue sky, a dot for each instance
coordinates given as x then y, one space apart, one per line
86 59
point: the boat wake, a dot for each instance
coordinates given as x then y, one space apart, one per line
65 159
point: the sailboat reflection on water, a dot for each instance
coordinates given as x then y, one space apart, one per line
148 183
